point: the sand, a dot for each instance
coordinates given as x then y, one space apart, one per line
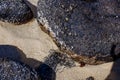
36 44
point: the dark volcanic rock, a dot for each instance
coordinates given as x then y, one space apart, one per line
88 28
57 61
11 70
15 11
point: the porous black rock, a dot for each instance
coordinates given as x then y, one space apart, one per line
58 61
15 11
88 30
12 70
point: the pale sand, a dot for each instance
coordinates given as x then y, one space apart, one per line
27 37
36 44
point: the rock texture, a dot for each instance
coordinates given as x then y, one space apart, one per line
15 11
88 30
11 70
58 61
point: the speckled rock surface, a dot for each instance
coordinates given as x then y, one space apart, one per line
58 61
88 28
11 70
15 11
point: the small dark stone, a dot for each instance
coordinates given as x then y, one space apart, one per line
12 70
15 11
90 78
87 28
82 64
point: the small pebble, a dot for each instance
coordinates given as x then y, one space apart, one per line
90 78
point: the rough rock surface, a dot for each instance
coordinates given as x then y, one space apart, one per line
15 11
58 61
11 70
88 28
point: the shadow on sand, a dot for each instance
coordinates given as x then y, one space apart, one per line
115 71
12 52
33 8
